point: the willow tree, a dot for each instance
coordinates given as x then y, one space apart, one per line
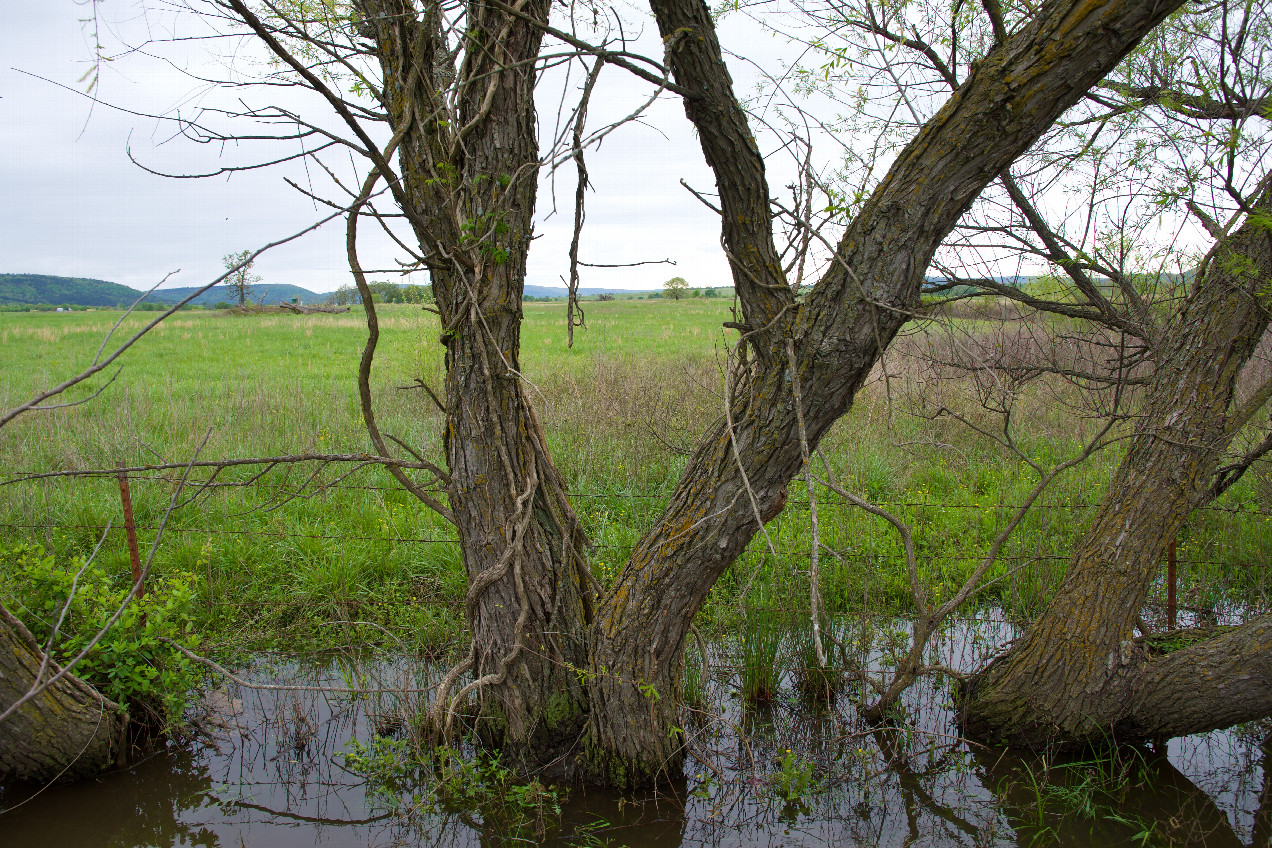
1178 137
572 678
1079 675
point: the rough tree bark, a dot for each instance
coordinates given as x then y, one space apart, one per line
470 184
1077 676
67 731
837 334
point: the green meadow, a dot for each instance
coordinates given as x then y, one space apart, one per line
306 557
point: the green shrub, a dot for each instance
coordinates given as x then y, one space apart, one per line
132 664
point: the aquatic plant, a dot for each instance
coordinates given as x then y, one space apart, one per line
793 779
693 682
817 682
400 776
758 649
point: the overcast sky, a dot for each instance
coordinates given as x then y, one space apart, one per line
75 205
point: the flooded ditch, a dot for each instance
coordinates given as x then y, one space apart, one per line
284 767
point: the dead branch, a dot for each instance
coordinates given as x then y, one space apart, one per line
302 309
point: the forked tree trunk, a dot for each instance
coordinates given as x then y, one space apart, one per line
557 685
467 185
1077 676
834 338
547 669
67 731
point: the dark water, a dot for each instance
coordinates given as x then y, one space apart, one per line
266 771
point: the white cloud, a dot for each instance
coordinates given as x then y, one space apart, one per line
77 205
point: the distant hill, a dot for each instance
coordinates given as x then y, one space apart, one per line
271 292
76 291
82 291
561 291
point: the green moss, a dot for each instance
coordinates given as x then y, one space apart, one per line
599 764
603 767
492 726
1175 640
562 711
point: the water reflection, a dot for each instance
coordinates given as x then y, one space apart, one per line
1138 797
269 773
1262 829
163 801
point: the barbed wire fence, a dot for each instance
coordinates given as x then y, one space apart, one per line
1240 519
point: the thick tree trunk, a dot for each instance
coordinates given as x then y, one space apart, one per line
1077 676
548 669
524 553
467 185
67 731
470 178
836 336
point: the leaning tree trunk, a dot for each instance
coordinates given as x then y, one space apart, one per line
824 346
67 731
1077 676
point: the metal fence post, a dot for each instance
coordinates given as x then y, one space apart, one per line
131 529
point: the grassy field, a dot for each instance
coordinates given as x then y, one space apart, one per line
620 410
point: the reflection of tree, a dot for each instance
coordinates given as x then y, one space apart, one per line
1108 801
1262 836
150 804
318 820
592 815
910 783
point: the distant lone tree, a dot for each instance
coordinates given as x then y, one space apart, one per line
240 282
676 288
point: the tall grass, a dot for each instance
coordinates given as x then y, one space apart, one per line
621 411
819 683
759 653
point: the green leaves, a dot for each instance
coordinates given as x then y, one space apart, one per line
649 691
133 663
793 779
483 232
398 775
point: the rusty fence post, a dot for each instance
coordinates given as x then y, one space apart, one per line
131 529
1171 578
